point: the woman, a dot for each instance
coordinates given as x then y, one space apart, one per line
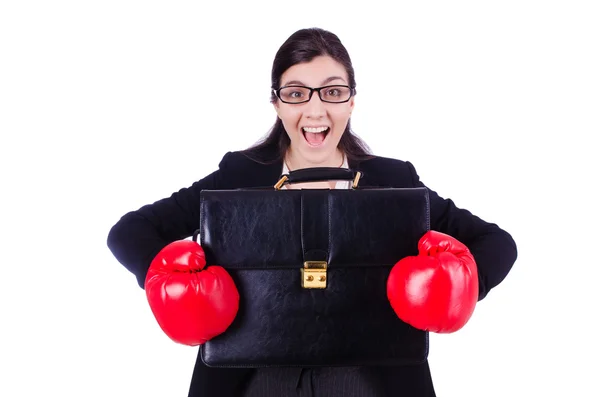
313 94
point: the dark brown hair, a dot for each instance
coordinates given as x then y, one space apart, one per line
303 46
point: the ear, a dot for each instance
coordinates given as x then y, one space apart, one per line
351 104
276 107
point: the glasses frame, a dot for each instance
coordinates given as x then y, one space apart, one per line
312 90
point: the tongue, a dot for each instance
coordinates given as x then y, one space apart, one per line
314 139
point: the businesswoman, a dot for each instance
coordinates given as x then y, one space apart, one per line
313 90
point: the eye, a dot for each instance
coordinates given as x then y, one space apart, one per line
293 94
336 93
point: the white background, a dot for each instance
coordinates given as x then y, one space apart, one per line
109 105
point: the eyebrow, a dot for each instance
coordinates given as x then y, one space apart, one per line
327 80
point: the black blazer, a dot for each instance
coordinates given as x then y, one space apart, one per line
139 235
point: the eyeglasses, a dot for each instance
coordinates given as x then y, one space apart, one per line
301 94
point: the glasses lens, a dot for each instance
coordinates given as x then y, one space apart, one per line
294 94
336 93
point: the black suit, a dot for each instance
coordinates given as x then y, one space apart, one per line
139 235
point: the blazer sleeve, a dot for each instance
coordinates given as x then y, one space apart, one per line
139 235
493 248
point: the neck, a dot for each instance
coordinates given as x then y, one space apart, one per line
294 162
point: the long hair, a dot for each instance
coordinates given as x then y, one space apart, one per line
303 46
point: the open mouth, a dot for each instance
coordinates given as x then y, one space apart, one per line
315 135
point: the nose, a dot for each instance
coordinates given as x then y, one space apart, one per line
315 108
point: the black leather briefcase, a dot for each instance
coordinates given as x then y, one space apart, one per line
311 267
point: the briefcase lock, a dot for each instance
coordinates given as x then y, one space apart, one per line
314 274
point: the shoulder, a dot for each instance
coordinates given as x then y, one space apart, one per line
244 168
233 160
251 157
248 161
387 171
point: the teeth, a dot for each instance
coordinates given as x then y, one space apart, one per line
314 130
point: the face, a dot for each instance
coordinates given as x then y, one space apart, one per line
315 127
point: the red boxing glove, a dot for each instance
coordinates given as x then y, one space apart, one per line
191 304
436 290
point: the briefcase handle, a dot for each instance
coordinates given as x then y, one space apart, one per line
319 174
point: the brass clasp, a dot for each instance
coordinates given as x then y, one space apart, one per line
314 274
280 182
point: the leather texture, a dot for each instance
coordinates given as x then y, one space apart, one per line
263 237
317 174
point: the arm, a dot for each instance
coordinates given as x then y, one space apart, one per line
139 235
494 249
